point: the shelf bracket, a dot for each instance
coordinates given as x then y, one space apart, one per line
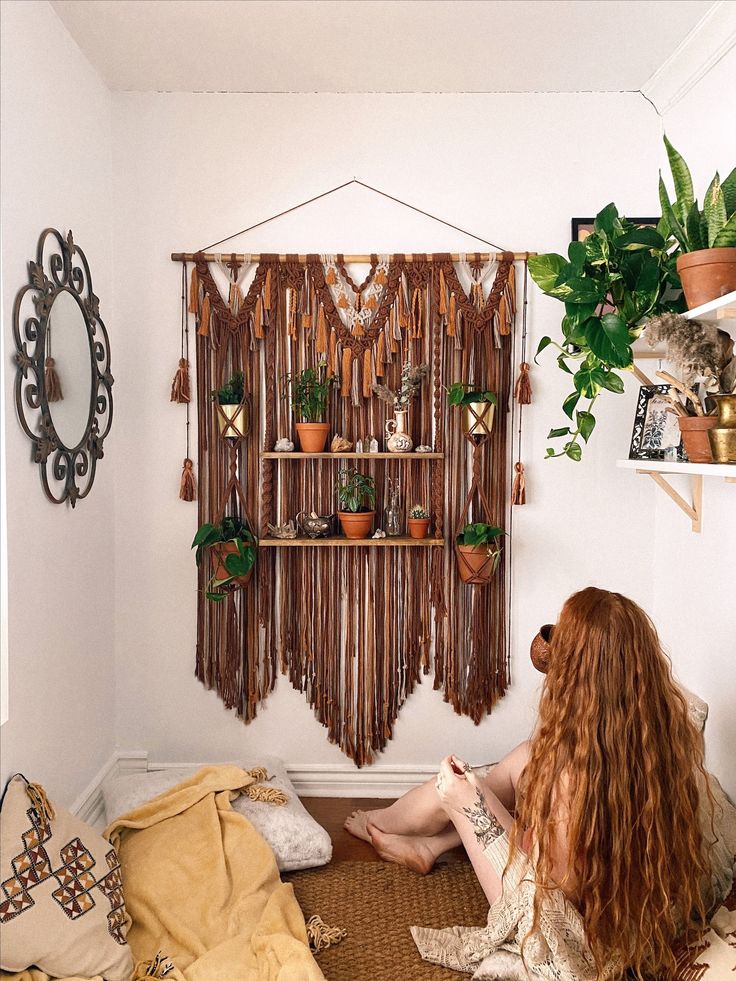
694 511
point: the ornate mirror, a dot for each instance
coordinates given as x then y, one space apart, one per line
63 386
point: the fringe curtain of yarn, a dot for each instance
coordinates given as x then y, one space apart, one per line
354 628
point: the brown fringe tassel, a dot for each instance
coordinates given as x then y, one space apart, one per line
258 318
267 291
452 316
392 330
320 340
332 357
204 320
347 361
358 328
367 373
180 388
291 315
416 313
330 277
44 807
404 316
518 491
380 354
51 381
523 387
194 291
442 302
188 486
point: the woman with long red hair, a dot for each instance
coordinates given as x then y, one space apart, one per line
596 842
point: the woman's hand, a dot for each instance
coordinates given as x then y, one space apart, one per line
456 784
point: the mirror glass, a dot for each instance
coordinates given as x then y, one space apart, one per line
67 342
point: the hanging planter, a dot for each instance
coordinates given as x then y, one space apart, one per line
232 408
478 549
310 390
478 408
356 493
232 551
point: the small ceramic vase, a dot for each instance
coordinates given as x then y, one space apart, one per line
398 439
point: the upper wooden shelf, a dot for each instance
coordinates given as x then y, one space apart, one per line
339 541
727 470
721 311
351 456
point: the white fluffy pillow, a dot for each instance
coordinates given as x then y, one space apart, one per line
298 842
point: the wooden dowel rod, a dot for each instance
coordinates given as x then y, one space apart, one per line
421 257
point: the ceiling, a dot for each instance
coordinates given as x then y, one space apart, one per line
379 45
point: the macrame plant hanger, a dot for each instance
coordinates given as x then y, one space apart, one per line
477 434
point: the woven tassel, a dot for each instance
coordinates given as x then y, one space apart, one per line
358 327
188 485
204 320
194 291
330 277
416 313
291 312
367 373
343 302
267 291
518 491
44 807
442 302
51 381
180 388
380 354
345 380
320 340
258 318
380 278
452 316
523 387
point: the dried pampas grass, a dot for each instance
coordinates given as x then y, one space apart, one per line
699 352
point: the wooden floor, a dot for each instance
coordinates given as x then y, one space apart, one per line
331 812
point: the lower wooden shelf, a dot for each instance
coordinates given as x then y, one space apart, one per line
339 541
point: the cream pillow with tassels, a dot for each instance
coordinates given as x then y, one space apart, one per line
61 893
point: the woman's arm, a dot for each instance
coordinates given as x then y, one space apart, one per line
502 778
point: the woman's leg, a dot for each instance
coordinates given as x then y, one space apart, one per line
416 852
418 812
478 826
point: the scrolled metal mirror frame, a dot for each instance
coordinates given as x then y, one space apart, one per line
67 271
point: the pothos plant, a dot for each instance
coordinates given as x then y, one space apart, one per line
610 283
460 393
356 491
237 562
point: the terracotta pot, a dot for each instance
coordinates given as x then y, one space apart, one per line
356 524
723 435
539 650
477 563
418 527
312 436
707 274
233 420
694 431
220 551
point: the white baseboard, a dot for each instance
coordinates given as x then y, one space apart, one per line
309 779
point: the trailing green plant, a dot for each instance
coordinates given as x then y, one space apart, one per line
480 533
714 226
355 491
230 529
310 390
461 393
231 392
610 283
418 513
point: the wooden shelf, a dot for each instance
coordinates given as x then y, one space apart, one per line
718 311
351 456
339 541
656 468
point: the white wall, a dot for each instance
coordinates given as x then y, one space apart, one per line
695 575
55 172
193 168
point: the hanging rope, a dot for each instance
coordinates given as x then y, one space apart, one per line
523 396
181 392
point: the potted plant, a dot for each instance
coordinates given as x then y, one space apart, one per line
418 521
356 493
398 439
707 237
478 406
310 390
703 357
610 283
233 551
232 415
478 548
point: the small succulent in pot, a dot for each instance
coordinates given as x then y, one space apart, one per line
232 414
310 392
356 493
233 550
478 548
418 521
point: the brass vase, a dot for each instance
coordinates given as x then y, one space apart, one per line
723 435
233 420
478 418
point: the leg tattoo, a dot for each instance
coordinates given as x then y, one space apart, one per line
485 824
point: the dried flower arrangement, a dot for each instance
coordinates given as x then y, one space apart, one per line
411 380
701 354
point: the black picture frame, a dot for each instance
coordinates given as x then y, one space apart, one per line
649 435
585 225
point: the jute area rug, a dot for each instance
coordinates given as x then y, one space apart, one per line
376 903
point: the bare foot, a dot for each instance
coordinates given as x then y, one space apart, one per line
357 825
412 851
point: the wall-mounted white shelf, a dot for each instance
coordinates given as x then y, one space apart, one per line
696 471
721 312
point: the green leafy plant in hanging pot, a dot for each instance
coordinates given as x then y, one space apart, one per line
309 392
232 412
478 548
706 237
232 548
478 405
356 493
610 283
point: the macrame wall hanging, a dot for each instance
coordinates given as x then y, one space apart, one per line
355 625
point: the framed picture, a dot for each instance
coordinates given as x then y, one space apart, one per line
582 227
655 426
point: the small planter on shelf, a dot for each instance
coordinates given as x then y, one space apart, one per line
356 493
478 548
310 391
231 407
232 550
418 522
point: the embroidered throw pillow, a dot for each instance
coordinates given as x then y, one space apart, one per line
61 894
